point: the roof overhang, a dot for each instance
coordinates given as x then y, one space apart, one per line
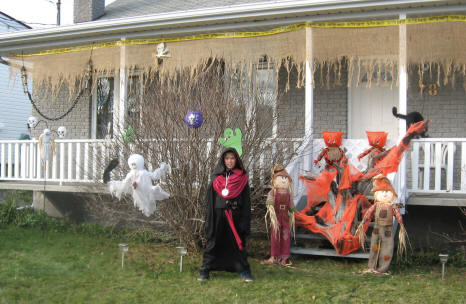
238 17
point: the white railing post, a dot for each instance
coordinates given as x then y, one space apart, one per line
39 162
450 160
70 161
463 166
10 163
2 174
438 165
62 162
54 164
86 161
16 160
32 163
23 160
426 166
78 161
415 166
94 160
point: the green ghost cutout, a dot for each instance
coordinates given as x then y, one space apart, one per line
231 140
129 135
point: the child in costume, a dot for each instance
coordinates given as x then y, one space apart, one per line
382 240
279 206
228 218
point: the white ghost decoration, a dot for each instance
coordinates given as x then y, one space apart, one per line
46 146
138 182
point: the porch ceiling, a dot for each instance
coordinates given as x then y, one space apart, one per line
245 17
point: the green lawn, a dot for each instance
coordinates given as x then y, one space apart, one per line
65 267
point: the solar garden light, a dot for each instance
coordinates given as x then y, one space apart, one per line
123 248
182 251
443 260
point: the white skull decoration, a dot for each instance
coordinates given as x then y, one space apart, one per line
61 132
32 122
162 50
136 162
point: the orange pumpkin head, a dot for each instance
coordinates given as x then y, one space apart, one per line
332 139
377 139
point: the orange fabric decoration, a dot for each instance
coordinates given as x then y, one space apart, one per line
337 232
335 219
319 187
332 139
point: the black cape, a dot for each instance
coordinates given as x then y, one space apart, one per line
222 252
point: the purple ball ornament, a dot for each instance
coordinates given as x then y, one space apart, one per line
194 119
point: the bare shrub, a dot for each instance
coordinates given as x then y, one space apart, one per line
227 99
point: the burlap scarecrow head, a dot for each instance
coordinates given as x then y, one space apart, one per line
280 177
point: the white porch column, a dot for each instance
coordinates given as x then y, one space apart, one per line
309 101
403 103
121 94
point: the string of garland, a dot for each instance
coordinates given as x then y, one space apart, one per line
59 117
278 30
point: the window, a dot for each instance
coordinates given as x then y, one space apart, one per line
103 108
134 104
265 90
255 96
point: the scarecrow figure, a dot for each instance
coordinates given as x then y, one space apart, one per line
382 240
377 150
332 153
279 206
138 182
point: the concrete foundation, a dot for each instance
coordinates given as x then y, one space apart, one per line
59 205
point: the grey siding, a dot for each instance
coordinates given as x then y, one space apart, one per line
77 122
290 107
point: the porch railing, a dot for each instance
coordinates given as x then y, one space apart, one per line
435 165
74 160
83 160
438 165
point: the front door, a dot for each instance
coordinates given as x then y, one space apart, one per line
370 109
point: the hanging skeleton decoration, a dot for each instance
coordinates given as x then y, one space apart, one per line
138 182
46 146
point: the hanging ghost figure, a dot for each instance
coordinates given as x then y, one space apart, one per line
46 146
138 182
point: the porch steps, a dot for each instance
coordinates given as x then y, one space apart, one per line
323 251
328 252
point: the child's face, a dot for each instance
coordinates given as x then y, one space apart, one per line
281 182
230 161
384 196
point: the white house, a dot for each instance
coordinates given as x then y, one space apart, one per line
340 66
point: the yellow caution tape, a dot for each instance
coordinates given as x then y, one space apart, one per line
278 30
